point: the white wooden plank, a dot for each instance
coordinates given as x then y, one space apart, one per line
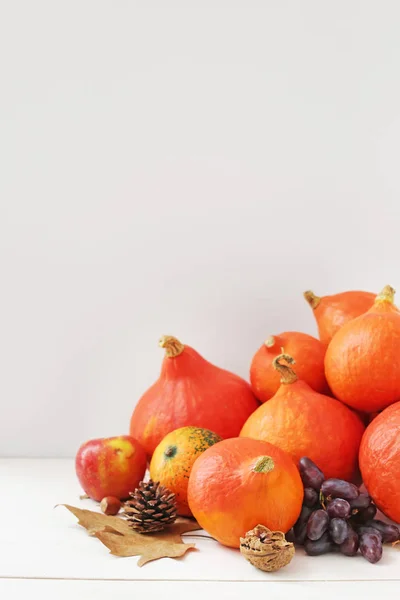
40 541
169 590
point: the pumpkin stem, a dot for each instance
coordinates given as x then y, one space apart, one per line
172 346
264 464
312 299
270 342
287 374
386 295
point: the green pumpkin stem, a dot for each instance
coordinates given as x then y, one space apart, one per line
264 464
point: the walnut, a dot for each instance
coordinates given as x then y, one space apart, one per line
265 549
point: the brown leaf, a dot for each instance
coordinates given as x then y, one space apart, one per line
94 521
122 540
147 546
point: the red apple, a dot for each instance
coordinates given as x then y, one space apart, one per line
110 466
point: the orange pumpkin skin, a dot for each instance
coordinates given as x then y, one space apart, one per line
308 352
305 423
228 497
362 362
380 461
191 391
174 458
332 312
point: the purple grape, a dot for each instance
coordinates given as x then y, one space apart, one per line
371 547
389 533
290 537
350 546
362 501
310 474
339 508
339 530
365 514
318 547
317 524
310 497
300 528
364 529
338 488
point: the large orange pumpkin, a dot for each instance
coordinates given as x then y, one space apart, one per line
380 461
305 423
190 391
308 352
362 363
332 312
240 483
174 458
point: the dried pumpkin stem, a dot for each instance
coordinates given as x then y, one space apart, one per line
386 295
287 374
270 342
173 347
312 299
264 464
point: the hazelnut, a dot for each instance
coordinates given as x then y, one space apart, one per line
110 505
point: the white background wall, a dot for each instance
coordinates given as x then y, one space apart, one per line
181 167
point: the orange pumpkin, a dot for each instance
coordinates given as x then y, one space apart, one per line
174 458
308 352
362 361
190 391
240 483
332 312
305 423
380 461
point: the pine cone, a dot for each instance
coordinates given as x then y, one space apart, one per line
152 507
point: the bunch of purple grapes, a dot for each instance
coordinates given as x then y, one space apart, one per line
336 516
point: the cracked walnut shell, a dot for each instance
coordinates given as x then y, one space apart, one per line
265 549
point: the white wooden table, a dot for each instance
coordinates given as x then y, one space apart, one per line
44 553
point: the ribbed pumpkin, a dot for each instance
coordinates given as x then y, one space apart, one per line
362 363
332 312
190 391
240 483
305 423
308 352
380 461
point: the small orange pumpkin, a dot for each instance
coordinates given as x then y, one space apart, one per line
174 458
362 363
190 391
332 312
380 461
240 483
304 423
308 352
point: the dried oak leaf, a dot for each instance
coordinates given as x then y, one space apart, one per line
121 540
